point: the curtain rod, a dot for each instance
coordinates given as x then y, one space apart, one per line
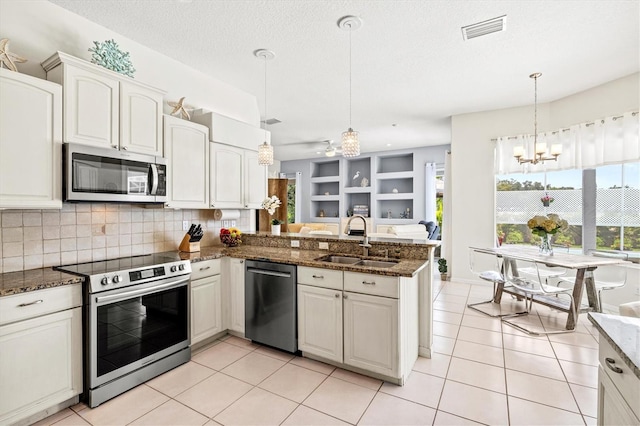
587 124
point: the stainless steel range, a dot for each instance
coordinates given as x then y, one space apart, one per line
136 321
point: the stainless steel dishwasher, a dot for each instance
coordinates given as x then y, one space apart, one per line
271 304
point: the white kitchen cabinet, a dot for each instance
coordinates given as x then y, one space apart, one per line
371 333
618 388
107 109
372 324
320 321
236 178
206 300
41 353
235 287
187 152
30 142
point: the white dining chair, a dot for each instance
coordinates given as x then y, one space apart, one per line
533 284
608 277
493 275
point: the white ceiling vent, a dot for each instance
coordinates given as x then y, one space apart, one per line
485 27
271 121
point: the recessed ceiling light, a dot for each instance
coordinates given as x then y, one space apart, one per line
388 144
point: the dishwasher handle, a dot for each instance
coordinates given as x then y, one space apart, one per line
268 272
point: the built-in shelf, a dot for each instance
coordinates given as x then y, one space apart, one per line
358 173
324 169
325 198
399 196
325 188
395 163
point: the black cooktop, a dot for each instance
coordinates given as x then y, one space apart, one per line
120 264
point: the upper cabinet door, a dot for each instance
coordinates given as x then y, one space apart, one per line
140 119
91 105
31 134
187 149
255 181
227 177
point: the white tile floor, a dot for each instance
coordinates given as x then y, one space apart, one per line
483 372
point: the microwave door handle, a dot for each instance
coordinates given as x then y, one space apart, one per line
154 179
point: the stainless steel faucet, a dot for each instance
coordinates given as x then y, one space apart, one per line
365 240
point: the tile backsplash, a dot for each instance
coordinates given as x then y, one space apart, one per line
88 232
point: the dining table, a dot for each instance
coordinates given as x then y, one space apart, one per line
583 264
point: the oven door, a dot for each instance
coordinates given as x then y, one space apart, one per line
132 327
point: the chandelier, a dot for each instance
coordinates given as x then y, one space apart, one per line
540 154
350 142
265 150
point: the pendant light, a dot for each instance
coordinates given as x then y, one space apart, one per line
265 150
539 149
350 142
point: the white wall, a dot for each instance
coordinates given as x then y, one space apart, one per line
473 181
38 28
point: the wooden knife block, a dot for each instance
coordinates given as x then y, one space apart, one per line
188 247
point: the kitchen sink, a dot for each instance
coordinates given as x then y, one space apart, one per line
377 263
356 261
339 259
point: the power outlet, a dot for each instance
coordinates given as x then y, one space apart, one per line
233 223
295 243
323 246
225 224
185 225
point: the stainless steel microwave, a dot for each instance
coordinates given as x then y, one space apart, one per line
108 175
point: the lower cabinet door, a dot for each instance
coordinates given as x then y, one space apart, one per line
320 322
371 333
612 407
206 308
236 290
40 363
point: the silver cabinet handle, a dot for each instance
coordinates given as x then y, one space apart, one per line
213 205
246 205
614 368
344 296
318 276
22 305
204 269
114 146
337 295
242 261
125 148
369 283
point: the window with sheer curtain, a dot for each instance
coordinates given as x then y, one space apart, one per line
611 147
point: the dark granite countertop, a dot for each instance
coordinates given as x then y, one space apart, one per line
624 335
404 268
34 279
38 279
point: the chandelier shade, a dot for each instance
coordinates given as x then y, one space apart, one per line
265 154
350 143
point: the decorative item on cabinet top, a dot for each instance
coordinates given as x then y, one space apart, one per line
109 55
9 59
180 109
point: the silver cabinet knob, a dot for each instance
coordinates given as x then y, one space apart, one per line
242 261
114 146
337 295
125 148
344 296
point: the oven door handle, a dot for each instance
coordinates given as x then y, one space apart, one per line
143 291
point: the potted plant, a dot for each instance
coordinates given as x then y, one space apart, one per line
442 268
270 204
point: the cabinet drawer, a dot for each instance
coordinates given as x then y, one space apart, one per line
626 381
377 285
205 268
319 277
35 303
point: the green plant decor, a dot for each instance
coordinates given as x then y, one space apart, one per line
108 55
276 222
442 266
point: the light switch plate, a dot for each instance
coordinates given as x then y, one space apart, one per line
185 225
233 223
295 243
323 246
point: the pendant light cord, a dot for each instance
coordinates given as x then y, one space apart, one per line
350 31
265 98
535 115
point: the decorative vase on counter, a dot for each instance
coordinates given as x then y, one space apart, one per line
275 229
545 245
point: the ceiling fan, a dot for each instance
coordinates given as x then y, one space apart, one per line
330 149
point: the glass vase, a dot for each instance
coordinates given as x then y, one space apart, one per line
545 245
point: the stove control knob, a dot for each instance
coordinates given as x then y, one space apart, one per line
117 279
174 268
104 281
181 267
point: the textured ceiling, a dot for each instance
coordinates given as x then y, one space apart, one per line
411 66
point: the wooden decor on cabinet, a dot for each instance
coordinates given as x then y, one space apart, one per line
276 187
